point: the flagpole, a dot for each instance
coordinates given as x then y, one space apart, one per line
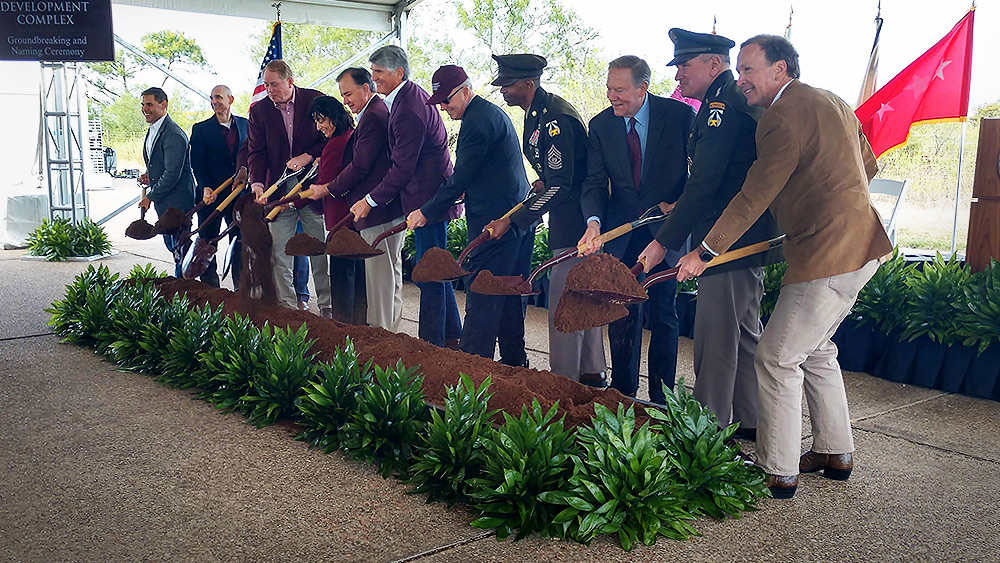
958 187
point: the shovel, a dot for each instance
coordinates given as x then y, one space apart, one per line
185 248
196 261
174 219
436 265
736 254
140 229
240 185
516 285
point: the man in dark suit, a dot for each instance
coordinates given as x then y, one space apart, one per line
490 172
418 148
168 163
215 144
366 160
721 148
282 135
638 145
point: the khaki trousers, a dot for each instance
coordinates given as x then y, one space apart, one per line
571 353
282 229
726 330
384 277
796 350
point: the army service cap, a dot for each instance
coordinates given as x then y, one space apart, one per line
688 45
511 68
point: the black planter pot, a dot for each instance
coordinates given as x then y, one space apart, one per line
957 360
854 344
896 363
879 348
982 378
927 364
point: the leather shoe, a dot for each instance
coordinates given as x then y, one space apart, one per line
326 313
748 434
782 486
834 466
452 343
594 380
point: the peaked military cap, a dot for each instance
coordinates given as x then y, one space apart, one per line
688 44
511 68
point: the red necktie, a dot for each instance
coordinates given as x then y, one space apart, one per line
635 152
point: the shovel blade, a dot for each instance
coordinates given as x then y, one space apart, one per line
437 265
488 284
198 258
140 230
611 297
228 261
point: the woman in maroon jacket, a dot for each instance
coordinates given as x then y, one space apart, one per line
347 277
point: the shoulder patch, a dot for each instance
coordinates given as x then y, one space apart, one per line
715 111
553 128
553 158
716 105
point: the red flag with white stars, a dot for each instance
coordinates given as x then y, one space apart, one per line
934 88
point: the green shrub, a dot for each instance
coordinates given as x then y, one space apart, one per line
773 275
156 334
59 239
450 451
134 310
541 251
717 483
622 484
389 416
82 314
231 362
90 239
935 296
332 396
458 236
526 457
882 301
147 271
979 316
187 344
274 391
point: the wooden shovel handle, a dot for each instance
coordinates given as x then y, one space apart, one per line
218 190
730 256
229 199
274 212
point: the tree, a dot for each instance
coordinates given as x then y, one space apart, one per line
173 48
112 77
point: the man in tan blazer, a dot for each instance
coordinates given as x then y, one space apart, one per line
812 171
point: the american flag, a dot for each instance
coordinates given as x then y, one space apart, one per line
273 52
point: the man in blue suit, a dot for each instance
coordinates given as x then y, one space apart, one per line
489 170
638 146
216 144
168 163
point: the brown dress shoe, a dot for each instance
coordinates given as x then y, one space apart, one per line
782 486
834 466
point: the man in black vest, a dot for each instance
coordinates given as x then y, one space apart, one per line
555 144
215 145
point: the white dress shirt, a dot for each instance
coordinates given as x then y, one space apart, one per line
154 130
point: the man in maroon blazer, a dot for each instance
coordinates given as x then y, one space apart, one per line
282 134
366 161
418 149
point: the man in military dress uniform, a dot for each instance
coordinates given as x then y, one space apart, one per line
555 144
721 149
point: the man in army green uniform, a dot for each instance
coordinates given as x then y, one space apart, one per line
555 144
721 149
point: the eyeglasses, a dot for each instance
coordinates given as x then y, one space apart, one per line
447 100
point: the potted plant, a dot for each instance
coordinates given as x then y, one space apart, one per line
978 328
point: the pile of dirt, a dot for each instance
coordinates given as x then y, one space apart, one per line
140 229
580 312
488 284
512 387
257 274
437 264
171 221
603 274
304 245
347 243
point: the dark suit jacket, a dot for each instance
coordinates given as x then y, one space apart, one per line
366 160
664 167
168 165
489 168
268 142
210 159
418 148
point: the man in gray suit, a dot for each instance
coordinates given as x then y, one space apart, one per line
168 163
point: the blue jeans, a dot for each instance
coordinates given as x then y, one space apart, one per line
300 272
439 320
171 241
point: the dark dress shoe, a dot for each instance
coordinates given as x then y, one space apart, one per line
834 466
594 380
748 434
782 486
452 343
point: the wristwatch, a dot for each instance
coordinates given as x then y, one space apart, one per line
706 254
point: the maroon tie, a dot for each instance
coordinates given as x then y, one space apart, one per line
635 152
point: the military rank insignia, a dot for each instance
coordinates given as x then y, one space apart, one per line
715 110
553 158
533 141
553 128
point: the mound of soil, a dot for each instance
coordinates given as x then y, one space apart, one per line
347 243
488 284
512 387
171 221
580 312
604 274
437 264
304 245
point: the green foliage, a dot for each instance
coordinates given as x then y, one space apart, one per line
525 458
773 275
450 450
934 296
59 239
233 359
541 251
978 322
173 48
312 50
82 315
389 416
137 307
155 336
189 341
274 391
882 302
622 484
717 483
457 236
332 396
143 272
691 286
